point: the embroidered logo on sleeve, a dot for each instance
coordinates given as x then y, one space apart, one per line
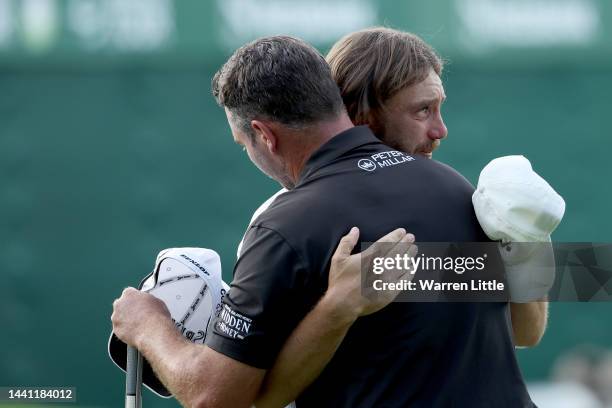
232 324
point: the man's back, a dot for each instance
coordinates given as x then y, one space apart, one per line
408 354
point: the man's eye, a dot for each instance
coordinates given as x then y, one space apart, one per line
423 112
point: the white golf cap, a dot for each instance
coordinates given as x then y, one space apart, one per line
188 281
516 206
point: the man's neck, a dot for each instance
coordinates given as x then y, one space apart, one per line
309 140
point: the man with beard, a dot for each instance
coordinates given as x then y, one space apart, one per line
391 81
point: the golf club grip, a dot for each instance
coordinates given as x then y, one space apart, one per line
132 387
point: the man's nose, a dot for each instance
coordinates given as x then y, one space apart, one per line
438 130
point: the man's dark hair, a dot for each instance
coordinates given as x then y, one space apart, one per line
279 78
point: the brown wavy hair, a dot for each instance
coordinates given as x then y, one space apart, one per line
370 66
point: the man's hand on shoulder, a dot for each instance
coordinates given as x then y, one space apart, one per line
347 284
315 340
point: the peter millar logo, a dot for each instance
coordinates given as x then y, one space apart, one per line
384 159
366 164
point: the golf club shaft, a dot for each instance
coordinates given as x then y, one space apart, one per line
133 379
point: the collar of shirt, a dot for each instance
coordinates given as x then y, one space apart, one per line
337 146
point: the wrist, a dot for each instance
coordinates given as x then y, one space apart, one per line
156 328
338 309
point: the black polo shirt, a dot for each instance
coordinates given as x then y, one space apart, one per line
408 354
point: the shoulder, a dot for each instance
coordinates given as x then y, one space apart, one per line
301 220
446 172
291 209
268 256
264 206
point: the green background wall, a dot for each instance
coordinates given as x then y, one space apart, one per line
105 160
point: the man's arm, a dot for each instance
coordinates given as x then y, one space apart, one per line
197 375
201 377
306 353
528 322
317 337
530 273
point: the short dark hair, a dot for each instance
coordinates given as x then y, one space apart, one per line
277 78
370 66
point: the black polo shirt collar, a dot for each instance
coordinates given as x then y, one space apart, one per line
337 146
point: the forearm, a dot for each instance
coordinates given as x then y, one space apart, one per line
305 353
528 322
175 360
197 375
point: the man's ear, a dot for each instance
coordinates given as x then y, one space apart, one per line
372 119
265 134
